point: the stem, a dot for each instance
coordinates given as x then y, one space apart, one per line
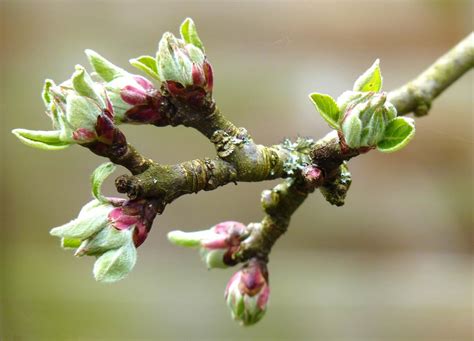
241 159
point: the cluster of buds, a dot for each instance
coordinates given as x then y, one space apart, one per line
86 111
363 117
134 98
110 229
81 112
364 121
247 292
217 245
182 65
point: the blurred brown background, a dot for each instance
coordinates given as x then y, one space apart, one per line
395 263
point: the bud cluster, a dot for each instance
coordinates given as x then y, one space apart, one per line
108 228
364 118
86 108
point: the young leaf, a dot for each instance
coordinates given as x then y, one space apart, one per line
84 85
70 243
188 239
85 226
46 140
81 112
114 265
352 130
48 83
105 69
189 33
147 64
370 80
107 239
398 133
327 107
98 177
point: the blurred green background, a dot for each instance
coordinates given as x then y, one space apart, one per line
395 263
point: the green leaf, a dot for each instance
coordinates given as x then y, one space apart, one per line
370 80
327 107
98 177
81 112
85 226
46 140
70 243
105 69
107 239
188 239
398 133
173 66
45 94
213 258
84 85
147 64
114 265
376 127
189 33
352 130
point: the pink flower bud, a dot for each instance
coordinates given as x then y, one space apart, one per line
223 241
217 245
313 176
134 214
247 292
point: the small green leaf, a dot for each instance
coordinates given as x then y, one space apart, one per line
84 85
188 239
114 265
81 112
173 66
85 226
98 177
370 80
46 140
327 107
214 258
147 64
107 239
105 69
398 133
45 94
352 130
70 243
189 33
376 127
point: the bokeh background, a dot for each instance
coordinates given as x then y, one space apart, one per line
395 263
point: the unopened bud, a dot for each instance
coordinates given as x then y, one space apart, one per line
217 245
364 123
182 65
247 293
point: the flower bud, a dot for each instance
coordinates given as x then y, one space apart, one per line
247 293
182 65
364 121
111 231
312 176
134 98
80 111
217 245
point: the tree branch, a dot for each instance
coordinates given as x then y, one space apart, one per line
239 158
